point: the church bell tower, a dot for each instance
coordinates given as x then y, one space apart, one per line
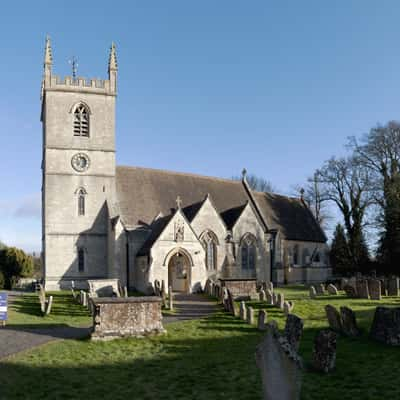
78 173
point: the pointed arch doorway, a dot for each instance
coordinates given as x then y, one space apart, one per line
179 276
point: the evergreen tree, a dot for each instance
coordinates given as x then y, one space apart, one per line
14 264
341 260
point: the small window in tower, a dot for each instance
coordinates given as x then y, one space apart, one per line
81 201
81 259
81 121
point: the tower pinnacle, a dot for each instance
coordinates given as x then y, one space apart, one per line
112 60
48 56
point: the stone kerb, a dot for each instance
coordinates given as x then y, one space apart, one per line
121 317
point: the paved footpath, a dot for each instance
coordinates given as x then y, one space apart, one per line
17 338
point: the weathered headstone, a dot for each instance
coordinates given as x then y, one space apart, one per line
269 297
280 301
274 298
262 295
243 311
349 322
343 283
250 315
170 298
393 286
350 291
320 289
313 292
386 326
332 289
280 367
294 330
231 302
362 289
270 286
262 320
49 305
334 318
383 287
324 353
374 288
42 298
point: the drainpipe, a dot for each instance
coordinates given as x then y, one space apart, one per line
272 244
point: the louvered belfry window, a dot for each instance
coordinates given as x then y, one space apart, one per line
81 121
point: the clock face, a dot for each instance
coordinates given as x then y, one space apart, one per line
80 162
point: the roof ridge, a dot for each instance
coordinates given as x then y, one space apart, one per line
278 194
181 173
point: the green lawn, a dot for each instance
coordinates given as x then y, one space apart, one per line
25 310
211 358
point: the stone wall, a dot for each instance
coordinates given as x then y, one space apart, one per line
121 317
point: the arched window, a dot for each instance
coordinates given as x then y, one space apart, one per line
248 252
317 257
81 193
210 244
81 259
296 254
81 120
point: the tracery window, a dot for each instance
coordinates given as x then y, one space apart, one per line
210 243
81 120
248 252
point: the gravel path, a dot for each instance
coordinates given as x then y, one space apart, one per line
14 339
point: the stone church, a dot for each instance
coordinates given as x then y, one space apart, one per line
139 224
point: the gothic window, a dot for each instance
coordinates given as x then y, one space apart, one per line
317 257
248 252
81 201
81 120
210 244
81 259
296 254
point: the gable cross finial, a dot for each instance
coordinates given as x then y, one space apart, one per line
244 173
179 202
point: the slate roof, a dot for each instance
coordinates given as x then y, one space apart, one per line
143 193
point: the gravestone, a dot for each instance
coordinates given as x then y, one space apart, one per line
274 299
350 291
294 330
362 289
207 287
280 300
104 287
280 367
250 315
313 292
270 286
286 308
343 283
393 286
243 311
352 282
324 353
262 295
157 288
261 321
231 303
170 298
49 305
334 318
349 322
269 297
320 289
332 289
383 287
374 288
386 326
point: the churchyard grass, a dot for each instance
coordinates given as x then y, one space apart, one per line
210 358
25 310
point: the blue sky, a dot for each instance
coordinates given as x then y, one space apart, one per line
204 86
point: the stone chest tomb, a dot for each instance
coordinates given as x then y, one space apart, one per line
115 317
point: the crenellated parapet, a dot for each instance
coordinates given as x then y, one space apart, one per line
80 84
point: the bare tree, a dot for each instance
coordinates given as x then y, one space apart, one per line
346 183
257 183
315 199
